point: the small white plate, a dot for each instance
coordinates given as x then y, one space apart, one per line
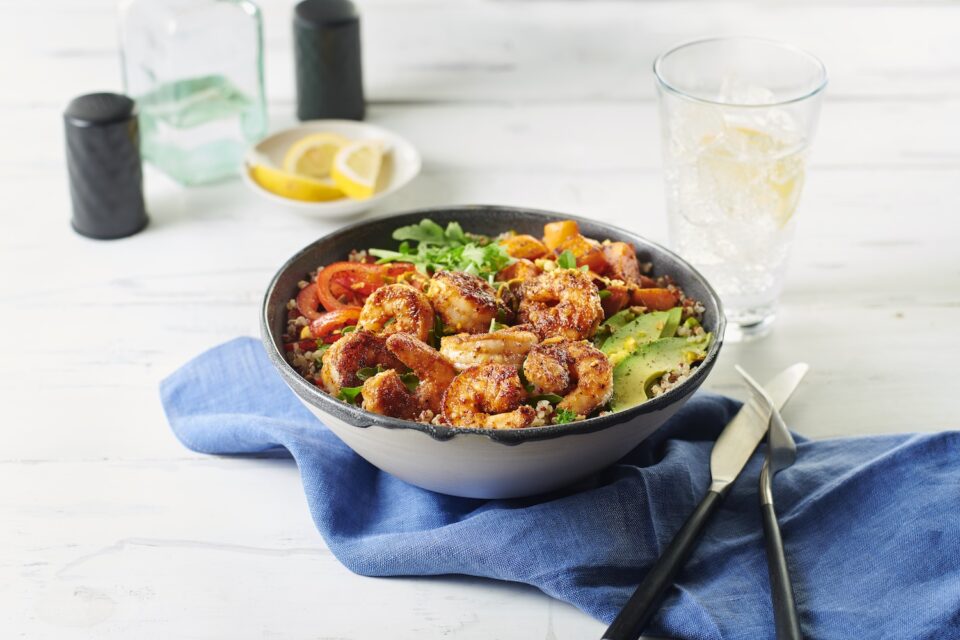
400 165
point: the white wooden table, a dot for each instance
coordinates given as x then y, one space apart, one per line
110 529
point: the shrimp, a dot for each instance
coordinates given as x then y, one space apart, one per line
561 303
489 396
397 308
351 353
464 302
507 346
433 370
386 394
578 371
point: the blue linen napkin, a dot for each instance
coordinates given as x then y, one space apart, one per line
871 525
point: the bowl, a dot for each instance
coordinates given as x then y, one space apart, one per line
400 165
484 463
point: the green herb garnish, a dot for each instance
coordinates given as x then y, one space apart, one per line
496 326
606 293
410 381
567 260
445 249
564 416
349 394
348 329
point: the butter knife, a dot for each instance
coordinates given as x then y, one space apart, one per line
733 448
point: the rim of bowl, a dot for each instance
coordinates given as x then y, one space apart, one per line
361 419
817 62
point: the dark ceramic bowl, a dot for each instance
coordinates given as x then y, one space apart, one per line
484 463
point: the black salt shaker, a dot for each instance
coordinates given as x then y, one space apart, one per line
103 160
326 35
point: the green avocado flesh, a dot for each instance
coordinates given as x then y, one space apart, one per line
634 334
635 374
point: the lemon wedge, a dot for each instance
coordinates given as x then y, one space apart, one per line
356 167
293 186
312 156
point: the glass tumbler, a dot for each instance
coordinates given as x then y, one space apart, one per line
737 118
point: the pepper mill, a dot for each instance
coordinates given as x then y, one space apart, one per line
103 161
326 35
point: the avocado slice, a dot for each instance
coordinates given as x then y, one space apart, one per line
646 328
612 324
634 376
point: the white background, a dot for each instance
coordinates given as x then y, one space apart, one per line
110 529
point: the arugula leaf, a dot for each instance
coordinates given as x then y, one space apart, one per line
426 232
563 416
449 249
349 394
567 260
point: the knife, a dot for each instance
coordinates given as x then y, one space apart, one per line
730 454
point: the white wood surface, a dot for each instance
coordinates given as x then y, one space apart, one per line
110 529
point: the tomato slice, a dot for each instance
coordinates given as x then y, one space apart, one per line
327 327
347 284
395 269
307 302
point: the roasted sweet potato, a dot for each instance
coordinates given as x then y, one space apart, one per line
524 247
554 233
622 262
654 299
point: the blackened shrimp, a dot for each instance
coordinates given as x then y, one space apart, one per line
397 308
578 371
466 303
507 346
561 303
434 371
490 396
386 394
351 353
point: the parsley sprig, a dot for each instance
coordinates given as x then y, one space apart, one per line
448 249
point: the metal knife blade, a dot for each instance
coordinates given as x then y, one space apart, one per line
742 435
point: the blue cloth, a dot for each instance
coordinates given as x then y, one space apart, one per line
871 525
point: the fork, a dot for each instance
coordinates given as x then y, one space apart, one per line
781 453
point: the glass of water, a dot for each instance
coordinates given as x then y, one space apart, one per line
737 118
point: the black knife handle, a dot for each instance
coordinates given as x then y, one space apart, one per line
633 618
784 607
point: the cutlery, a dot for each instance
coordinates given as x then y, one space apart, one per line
730 453
781 453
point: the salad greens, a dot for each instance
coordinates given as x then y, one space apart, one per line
449 249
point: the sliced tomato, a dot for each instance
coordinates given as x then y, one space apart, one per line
307 302
304 345
395 269
348 284
654 299
327 327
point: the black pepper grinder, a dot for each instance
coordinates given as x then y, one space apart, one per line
326 35
103 160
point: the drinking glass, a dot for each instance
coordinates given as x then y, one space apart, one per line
737 118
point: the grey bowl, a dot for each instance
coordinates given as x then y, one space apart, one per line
484 463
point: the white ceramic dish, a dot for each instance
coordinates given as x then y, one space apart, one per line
401 165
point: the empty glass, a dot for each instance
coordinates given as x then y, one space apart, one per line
737 117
